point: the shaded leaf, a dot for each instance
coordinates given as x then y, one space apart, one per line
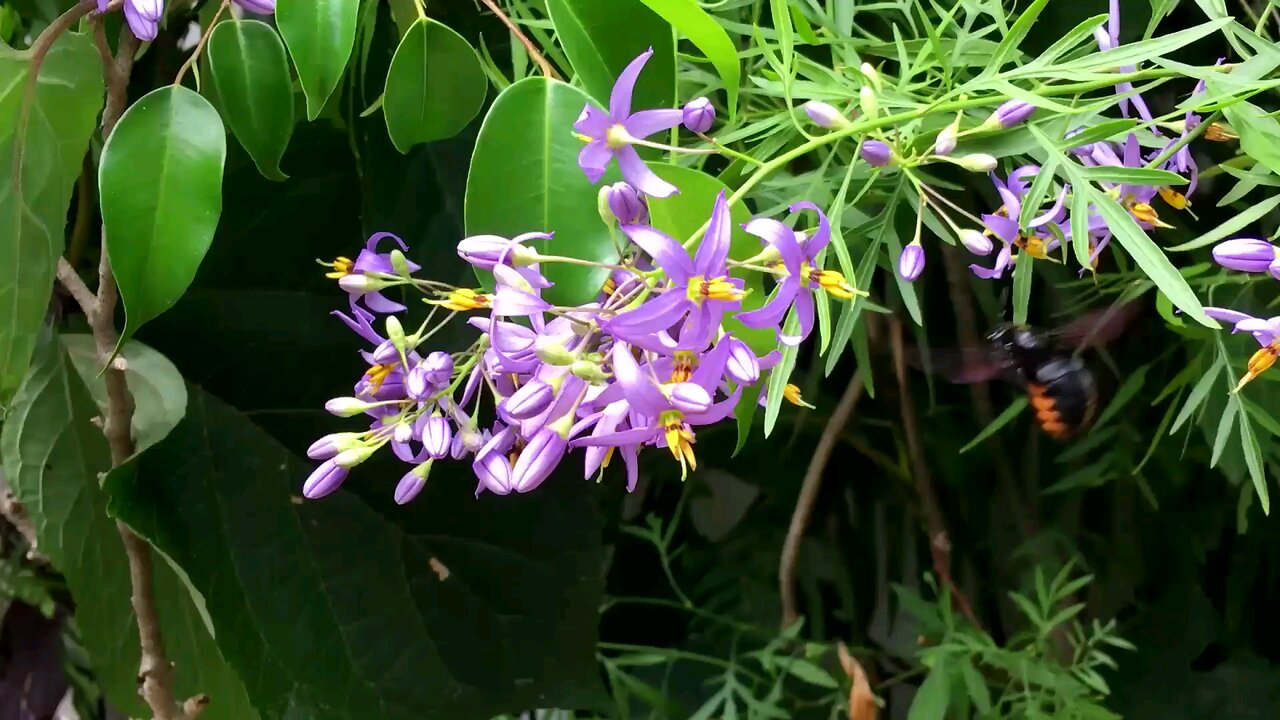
435 85
320 35
934 695
602 36
249 73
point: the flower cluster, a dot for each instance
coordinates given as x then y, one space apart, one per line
643 364
144 16
1250 255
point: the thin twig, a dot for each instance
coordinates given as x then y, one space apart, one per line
809 495
935 525
545 66
204 38
70 280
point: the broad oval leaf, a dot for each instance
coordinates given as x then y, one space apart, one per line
368 610
160 182
525 178
159 393
703 31
602 36
39 164
435 85
250 75
320 35
53 455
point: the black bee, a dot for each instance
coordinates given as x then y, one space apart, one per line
1045 363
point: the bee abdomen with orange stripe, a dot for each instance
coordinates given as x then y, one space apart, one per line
1063 396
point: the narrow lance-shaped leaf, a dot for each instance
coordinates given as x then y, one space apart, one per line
39 163
602 36
703 31
160 182
250 74
320 35
435 85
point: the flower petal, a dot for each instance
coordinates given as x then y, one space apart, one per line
821 236
665 251
640 176
771 313
620 97
653 316
638 387
1226 314
781 238
594 159
804 310
713 251
593 122
647 122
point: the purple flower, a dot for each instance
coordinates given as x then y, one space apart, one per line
436 435
742 365
1039 242
485 251
911 262
324 480
698 115
1265 331
529 401
875 153
802 274
412 483
1245 254
538 459
824 115
262 7
700 291
143 16
626 204
355 277
610 134
1013 112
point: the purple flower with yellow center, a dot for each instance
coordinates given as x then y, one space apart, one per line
611 134
699 294
1003 225
361 278
802 274
670 417
1265 331
1108 40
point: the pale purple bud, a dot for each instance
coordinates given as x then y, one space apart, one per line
143 17
494 473
698 115
412 483
1245 254
824 115
439 367
911 262
416 385
484 251
977 162
1274 268
875 153
402 433
690 397
262 7
346 406
1013 112
538 459
324 480
436 436
386 353
332 444
358 284
976 242
946 140
529 401
742 366
626 204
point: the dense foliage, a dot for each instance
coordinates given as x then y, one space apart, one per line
631 358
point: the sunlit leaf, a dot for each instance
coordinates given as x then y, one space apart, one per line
602 36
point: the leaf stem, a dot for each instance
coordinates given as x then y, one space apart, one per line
543 65
204 38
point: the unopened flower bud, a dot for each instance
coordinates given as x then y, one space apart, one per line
354 456
698 115
439 368
416 386
346 406
911 262
552 352
395 332
876 153
412 483
386 353
689 397
589 371
825 116
332 444
1274 268
1245 254
437 435
977 162
529 401
359 283
400 263
868 102
402 433
484 251
976 242
871 75
1011 113
946 140
324 480
626 204
538 459
742 366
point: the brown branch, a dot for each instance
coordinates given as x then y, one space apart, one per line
935 524
545 66
204 38
809 495
70 280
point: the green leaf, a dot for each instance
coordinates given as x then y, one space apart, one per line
41 160
160 182
1132 176
1023 272
1004 418
53 455
525 178
320 35
781 373
435 85
1253 456
1233 225
250 74
1104 130
364 608
705 33
602 36
1017 33
1149 256
744 413
1197 395
979 693
159 394
681 215
931 700
1080 228
1259 133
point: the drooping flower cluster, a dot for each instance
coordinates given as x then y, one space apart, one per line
1250 255
144 16
643 364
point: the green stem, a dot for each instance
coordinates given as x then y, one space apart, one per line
1196 132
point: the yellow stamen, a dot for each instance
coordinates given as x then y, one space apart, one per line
1176 200
679 440
833 281
1217 132
608 455
791 393
1263 359
1033 246
461 299
682 365
1146 213
583 138
377 375
717 288
609 286
617 137
341 267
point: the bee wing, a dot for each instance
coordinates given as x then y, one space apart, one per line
962 365
1097 327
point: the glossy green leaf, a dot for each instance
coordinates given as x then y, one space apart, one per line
435 85
780 375
691 21
1017 33
362 609
159 393
249 73
53 454
1023 272
681 215
934 695
39 163
744 414
525 178
602 36
1259 133
320 35
1233 225
1132 176
160 182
